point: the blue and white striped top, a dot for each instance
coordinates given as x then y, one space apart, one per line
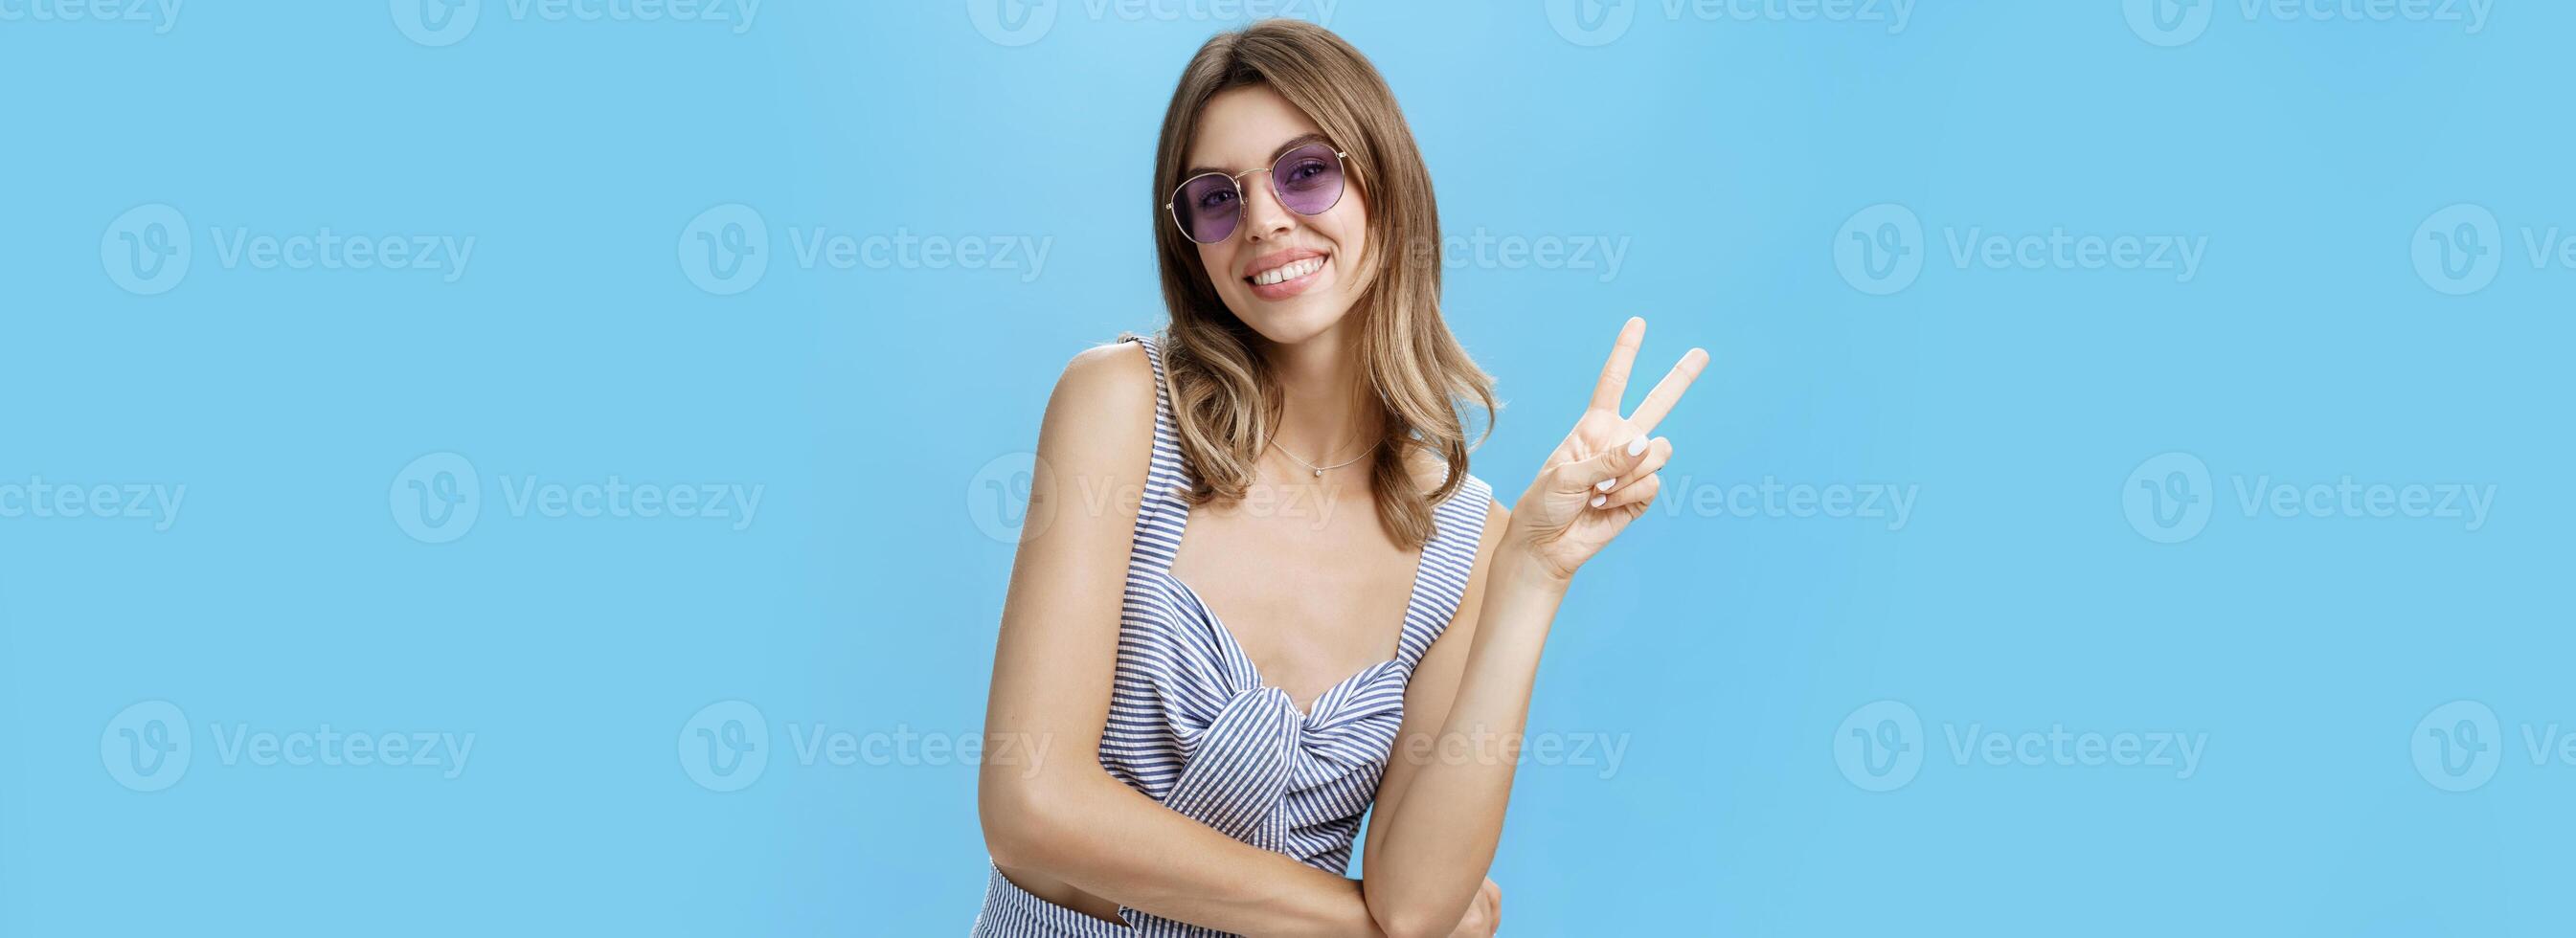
1192 725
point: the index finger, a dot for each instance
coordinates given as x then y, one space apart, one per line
1614 373
1668 392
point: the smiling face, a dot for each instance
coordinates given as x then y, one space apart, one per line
1291 277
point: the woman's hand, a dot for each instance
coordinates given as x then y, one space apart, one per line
1605 472
1484 914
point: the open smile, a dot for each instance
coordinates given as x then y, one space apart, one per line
1287 274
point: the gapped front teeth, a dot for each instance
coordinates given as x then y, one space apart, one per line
1289 271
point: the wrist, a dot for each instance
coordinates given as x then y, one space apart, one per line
1517 565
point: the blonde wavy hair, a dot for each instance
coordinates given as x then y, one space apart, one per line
1225 400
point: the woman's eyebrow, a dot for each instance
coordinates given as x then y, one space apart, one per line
1293 143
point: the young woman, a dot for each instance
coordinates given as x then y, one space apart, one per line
1255 578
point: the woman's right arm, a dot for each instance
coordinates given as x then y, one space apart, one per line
1063 816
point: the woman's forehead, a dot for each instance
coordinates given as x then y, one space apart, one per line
1242 127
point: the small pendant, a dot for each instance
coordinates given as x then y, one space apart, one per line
1319 473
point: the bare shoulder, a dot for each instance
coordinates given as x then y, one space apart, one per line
1113 377
1104 398
1100 419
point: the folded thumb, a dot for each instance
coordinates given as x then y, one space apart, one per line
1586 475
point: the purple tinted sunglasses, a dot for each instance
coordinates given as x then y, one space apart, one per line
1308 180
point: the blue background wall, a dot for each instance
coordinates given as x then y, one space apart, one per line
2086 433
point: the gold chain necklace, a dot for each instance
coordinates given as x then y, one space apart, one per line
1318 470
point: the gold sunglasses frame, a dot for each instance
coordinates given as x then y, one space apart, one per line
1341 161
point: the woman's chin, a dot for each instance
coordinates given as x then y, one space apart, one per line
1294 321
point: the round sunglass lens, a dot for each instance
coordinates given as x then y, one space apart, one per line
1309 179
1207 208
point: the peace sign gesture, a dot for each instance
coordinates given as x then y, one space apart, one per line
1605 472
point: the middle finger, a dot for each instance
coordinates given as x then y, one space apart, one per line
1668 392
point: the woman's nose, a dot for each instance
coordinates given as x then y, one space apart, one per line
1263 216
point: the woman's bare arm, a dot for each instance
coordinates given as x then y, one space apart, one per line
1064 816
1440 806
1427 704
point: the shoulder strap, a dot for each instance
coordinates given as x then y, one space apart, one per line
1448 559
1161 513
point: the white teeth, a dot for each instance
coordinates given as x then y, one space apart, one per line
1289 271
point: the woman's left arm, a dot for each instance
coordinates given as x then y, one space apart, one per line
1439 811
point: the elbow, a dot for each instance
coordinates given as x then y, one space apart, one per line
1413 925
1024 820
1412 918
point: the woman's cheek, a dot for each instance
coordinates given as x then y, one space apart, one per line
1216 262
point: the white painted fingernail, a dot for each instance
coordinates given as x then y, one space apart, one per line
1606 483
1599 500
1636 446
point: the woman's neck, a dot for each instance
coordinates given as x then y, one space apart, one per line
1327 409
